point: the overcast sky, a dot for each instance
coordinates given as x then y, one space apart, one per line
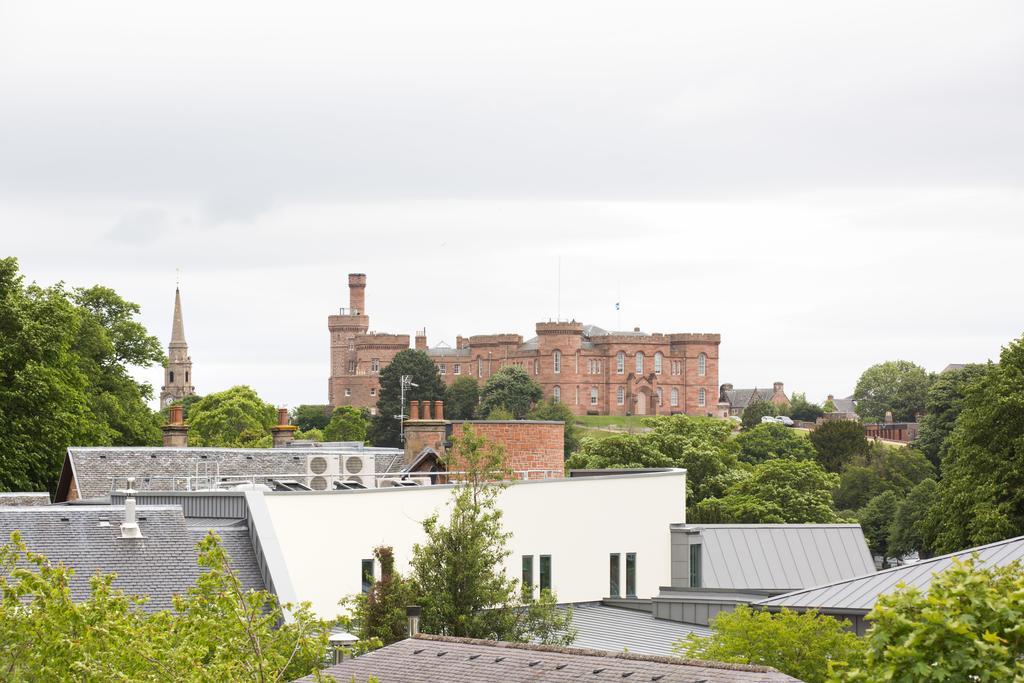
828 185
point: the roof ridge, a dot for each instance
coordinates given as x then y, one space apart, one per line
890 570
586 652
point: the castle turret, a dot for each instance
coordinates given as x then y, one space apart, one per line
178 372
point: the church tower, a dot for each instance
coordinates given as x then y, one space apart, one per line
178 372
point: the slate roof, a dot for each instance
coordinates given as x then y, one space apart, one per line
780 556
741 398
858 595
97 471
161 564
600 627
845 405
466 660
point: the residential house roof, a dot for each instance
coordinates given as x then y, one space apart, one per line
780 556
467 660
741 398
161 564
845 405
858 595
600 627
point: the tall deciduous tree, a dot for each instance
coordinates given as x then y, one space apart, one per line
753 413
310 416
348 423
381 612
773 440
942 406
233 418
913 528
898 386
559 412
802 409
876 519
461 399
384 428
459 571
981 494
512 389
837 442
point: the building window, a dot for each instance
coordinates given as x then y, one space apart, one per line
630 575
658 394
702 396
620 396
351 344
556 359
375 365
373 391
172 377
443 369
613 575
620 363
556 395
639 362
695 573
479 367
536 366
528 575
673 397
657 363
545 572
351 367
348 392
367 579
702 364
457 369
186 377
593 396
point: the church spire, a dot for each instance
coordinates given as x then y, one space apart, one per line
178 326
178 371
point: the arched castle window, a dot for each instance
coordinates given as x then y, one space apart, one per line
658 394
702 364
620 396
657 363
556 359
556 394
702 397
172 377
593 396
479 367
639 362
620 363
673 397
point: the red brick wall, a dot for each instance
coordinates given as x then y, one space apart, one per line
528 445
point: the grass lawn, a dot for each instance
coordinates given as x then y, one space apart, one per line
619 422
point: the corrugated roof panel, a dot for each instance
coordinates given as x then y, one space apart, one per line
615 629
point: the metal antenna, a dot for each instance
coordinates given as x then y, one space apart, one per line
404 384
558 315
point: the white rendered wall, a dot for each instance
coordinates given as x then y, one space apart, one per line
324 536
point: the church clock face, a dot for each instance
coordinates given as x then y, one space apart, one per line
168 401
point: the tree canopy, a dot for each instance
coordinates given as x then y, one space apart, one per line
898 386
348 423
64 377
307 417
512 389
942 406
802 409
233 418
773 440
559 412
384 428
461 399
837 442
753 413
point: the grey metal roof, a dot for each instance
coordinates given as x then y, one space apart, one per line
160 565
448 352
781 556
96 470
465 660
860 593
600 627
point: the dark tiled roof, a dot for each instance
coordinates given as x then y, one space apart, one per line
160 565
741 398
465 660
600 627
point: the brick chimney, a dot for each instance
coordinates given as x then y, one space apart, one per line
421 430
777 388
421 339
175 431
282 433
357 294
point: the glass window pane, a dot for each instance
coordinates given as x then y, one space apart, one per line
528 575
613 574
545 572
695 572
367 575
630 575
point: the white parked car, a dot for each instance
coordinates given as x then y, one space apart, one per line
765 419
784 420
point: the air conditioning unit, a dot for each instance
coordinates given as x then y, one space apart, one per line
321 470
360 468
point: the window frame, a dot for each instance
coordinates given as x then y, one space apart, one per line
556 361
659 360
614 575
630 575
702 397
620 396
457 369
593 396
620 363
702 364
367 577
556 394
544 560
527 575
673 397
639 358
696 570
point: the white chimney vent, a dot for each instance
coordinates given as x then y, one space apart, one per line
130 527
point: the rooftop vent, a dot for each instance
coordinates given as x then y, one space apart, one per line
130 527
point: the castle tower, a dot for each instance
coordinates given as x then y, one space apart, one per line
178 372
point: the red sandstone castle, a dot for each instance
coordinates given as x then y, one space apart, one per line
585 367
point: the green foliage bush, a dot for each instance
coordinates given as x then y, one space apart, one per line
461 399
511 389
348 423
773 440
753 413
384 428
899 386
234 418
559 412
837 442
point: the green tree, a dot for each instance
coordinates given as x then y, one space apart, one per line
767 441
805 645
774 492
64 377
837 441
884 468
967 627
461 399
913 528
898 386
348 423
753 413
217 631
942 406
876 520
233 418
308 416
981 493
380 613
802 409
510 388
559 412
384 428
459 571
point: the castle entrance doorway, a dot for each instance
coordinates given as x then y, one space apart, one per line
641 403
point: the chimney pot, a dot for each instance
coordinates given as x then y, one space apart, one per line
414 410
438 410
130 527
175 431
282 416
412 613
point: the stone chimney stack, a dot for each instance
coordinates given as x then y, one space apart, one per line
777 388
282 433
357 294
175 431
438 410
421 339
